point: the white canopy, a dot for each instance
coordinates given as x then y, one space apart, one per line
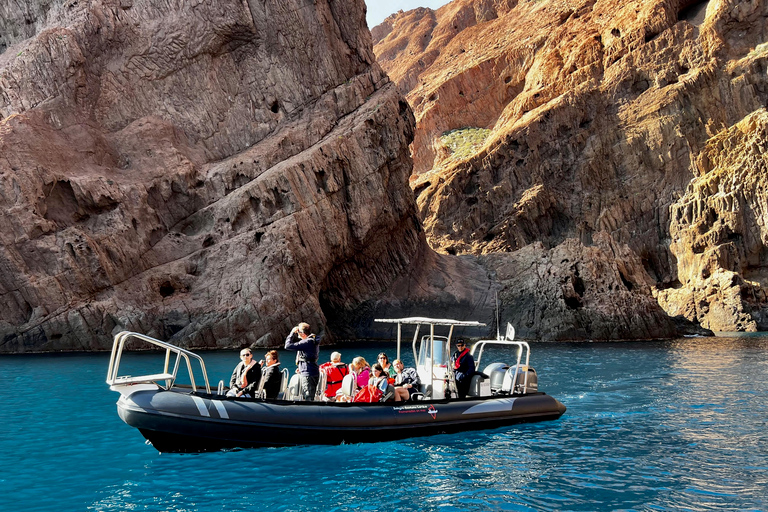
418 320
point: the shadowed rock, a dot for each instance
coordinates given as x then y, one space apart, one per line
203 172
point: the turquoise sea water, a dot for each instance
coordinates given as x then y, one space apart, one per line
657 426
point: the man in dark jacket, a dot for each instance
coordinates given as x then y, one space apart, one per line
307 349
463 368
245 377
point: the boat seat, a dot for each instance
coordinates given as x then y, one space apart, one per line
474 385
260 393
348 385
284 382
322 383
387 391
283 385
293 392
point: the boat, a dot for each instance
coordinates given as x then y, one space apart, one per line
176 416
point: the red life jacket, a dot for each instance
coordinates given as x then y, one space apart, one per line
370 393
335 376
457 363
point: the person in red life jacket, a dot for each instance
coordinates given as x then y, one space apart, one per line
245 377
335 370
463 368
271 374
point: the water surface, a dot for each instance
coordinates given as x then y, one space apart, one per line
677 426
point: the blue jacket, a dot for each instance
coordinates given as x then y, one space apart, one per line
466 367
307 352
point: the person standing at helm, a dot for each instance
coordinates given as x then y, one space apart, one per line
307 348
463 368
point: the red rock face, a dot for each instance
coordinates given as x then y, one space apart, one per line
202 172
597 114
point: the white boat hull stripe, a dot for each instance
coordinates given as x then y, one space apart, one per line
201 406
499 405
222 410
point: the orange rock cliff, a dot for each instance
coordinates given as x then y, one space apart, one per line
600 160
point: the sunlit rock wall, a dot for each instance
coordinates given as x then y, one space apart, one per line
597 114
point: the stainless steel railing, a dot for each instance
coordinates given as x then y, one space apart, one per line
168 375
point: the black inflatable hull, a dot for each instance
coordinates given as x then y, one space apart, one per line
184 422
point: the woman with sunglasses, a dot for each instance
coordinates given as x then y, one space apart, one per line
386 365
245 377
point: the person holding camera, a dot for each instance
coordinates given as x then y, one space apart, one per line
307 348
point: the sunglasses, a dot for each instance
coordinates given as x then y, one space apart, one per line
245 355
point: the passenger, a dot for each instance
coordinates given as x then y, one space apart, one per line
380 380
271 374
307 350
335 370
407 381
362 370
245 377
463 368
388 368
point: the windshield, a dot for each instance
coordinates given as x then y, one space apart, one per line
438 356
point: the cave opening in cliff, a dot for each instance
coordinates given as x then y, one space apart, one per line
167 289
692 11
626 282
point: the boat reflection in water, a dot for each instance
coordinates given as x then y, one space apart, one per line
193 418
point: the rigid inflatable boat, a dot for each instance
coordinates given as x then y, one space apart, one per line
194 418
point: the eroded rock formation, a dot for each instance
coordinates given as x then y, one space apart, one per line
205 172
597 115
719 232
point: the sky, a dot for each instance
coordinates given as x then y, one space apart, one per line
380 9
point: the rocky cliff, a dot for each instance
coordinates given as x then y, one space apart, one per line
210 173
604 157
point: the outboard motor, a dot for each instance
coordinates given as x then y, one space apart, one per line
526 381
496 372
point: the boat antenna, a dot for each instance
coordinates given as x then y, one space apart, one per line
498 333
